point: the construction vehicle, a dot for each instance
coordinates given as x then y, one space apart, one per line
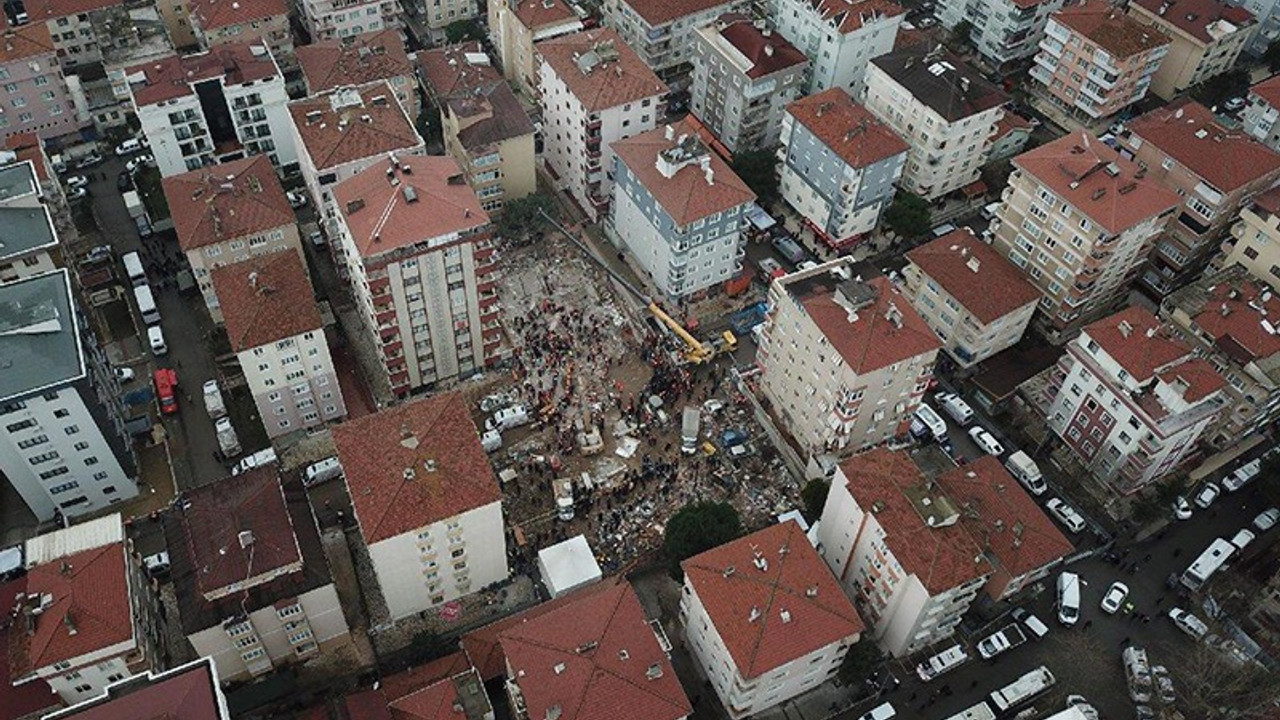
696 351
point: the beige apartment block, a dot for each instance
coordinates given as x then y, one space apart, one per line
1207 35
1255 239
491 137
514 27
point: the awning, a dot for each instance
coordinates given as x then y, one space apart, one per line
974 189
760 219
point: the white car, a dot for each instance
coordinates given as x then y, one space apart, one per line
986 441
140 162
1115 597
1266 519
124 374
79 193
1207 495
1242 539
1242 475
1234 104
129 147
297 199
1181 508
1188 623
1066 514
77 181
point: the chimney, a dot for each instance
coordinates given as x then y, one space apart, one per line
668 133
246 538
407 438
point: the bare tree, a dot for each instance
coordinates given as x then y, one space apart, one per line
1213 683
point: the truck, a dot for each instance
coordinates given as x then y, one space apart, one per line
228 443
213 403
564 499
166 380
258 459
689 424
752 315
1007 638
1022 467
1023 689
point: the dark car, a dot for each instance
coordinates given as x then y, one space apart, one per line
124 181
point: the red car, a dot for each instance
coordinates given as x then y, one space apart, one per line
166 390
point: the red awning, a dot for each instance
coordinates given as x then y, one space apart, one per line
974 189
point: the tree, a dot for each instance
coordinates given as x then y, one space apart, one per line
1221 88
697 528
1170 490
814 496
908 216
462 31
995 174
1272 56
522 217
429 126
756 168
961 34
1212 683
1269 478
862 660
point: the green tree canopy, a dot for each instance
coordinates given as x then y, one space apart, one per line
756 168
863 659
696 528
462 31
1272 56
961 34
1221 88
909 215
814 496
522 217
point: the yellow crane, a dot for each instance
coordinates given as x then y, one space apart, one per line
697 352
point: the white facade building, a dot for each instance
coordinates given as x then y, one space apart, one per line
1260 115
213 107
1003 30
28 239
839 37
662 33
335 19
64 447
892 540
427 502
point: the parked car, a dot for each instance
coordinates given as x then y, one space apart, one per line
77 181
986 441
1207 495
1242 538
1066 514
79 193
1242 475
944 228
297 199
1235 104
139 162
97 255
88 161
1188 623
1266 519
1181 508
771 268
883 711
129 147
1114 597
124 374
124 181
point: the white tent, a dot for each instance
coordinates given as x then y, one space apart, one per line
568 566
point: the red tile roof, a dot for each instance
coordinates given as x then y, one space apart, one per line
39 10
265 299
1111 29
381 217
941 558
661 12
27 146
26 41
607 83
1134 339
415 464
1268 90
535 14
175 76
595 658
1231 316
1195 16
1197 375
353 123
90 609
847 128
30 697
978 277
849 16
1003 518
217 516
1009 122
687 195
748 584
457 69
445 699
185 693
214 14
356 60
1189 133
207 212
410 681
1081 160
765 53
872 340
430 692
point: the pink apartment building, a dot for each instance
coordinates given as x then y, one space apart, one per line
33 93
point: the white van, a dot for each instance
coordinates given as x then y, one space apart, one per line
945 661
880 712
1022 467
133 268
322 471
507 418
155 337
931 421
1068 598
956 407
146 305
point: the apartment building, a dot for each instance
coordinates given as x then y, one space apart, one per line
214 107
359 60
64 447
1255 239
342 132
662 33
440 15
1207 35
27 148
228 214
427 502
839 165
81 30
879 352
189 690
1130 399
1095 60
892 538
177 23
1021 542
945 110
275 329
340 19
1225 316
1216 171
262 22
85 616
1079 219
590 656
1003 31
765 618
743 78
594 91
976 301
514 27
839 37
492 138
422 266
455 71
28 241
36 97
252 582
1260 114
1012 134
678 209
